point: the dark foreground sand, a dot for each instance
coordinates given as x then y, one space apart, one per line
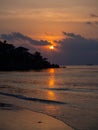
14 118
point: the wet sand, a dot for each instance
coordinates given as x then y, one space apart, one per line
16 118
18 113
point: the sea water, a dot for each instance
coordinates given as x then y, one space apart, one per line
69 94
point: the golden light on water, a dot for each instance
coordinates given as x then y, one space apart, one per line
51 82
51 71
51 95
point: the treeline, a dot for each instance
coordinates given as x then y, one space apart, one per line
12 58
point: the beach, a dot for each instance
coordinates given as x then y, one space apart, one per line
68 98
16 118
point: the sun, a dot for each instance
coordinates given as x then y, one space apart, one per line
51 47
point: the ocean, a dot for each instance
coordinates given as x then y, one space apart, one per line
69 94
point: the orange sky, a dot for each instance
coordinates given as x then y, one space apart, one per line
47 19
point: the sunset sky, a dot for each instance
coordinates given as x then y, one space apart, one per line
58 22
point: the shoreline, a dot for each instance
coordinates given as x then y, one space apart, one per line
85 120
72 100
14 117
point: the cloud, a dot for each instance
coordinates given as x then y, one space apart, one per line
18 36
92 23
94 15
72 35
89 23
72 49
96 22
75 49
19 39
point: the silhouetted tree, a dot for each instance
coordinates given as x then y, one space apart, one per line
5 41
19 58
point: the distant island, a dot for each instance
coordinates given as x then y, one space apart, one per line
18 58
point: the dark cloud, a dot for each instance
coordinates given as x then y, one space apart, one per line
72 35
18 36
76 49
96 22
73 49
89 23
94 15
92 23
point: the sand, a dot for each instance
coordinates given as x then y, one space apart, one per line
14 118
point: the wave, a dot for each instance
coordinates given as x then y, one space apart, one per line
7 106
62 89
73 89
31 99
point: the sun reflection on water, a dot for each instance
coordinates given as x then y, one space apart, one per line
52 71
51 95
51 81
